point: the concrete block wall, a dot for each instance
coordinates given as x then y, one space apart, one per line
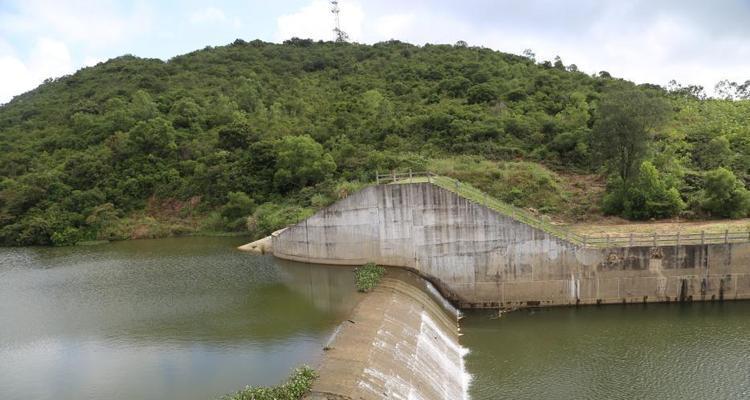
481 258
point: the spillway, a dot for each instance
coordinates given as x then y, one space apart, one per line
401 342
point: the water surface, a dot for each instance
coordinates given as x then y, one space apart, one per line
187 318
694 351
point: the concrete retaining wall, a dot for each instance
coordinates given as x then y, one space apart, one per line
480 258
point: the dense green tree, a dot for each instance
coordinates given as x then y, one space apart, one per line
93 154
482 93
235 212
643 197
724 195
625 120
155 136
301 161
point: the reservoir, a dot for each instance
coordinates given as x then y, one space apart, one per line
188 318
659 351
192 318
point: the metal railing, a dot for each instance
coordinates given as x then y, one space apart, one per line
545 224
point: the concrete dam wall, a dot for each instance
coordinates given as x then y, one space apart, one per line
399 343
480 258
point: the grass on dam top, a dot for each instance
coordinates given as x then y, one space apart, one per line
607 226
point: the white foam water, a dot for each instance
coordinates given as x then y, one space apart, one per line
445 303
432 367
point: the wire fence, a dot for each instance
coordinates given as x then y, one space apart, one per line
545 224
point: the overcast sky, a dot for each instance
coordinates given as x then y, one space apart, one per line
692 41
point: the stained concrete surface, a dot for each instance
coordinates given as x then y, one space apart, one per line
480 258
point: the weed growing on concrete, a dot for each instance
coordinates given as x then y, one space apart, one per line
368 276
293 389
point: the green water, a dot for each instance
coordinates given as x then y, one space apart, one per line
186 318
697 351
192 318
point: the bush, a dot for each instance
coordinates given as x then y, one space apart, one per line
234 213
269 217
523 184
67 237
293 389
482 93
724 195
368 276
646 196
301 161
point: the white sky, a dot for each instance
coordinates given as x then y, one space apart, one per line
692 41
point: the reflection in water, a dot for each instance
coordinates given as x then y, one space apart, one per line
186 318
324 286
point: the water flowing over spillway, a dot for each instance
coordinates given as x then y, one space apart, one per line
400 344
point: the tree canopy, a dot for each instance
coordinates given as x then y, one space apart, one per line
136 147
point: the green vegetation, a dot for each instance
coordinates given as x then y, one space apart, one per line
520 183
368 276
643 196
724 195
252 136
293 389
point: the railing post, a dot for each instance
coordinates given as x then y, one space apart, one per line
655 235
703 237
678 238
410 175
631 239
394 175
585 239
377 177
608 240
429 177
726 235
456 181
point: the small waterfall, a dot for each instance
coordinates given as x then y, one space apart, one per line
437 351
445 303
417 357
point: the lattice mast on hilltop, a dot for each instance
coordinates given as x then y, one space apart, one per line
341 36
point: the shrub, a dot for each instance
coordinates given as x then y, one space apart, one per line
646 196
482 93
301 161
234 213
67 237
724 195
293 389
368 276
269 217
523 184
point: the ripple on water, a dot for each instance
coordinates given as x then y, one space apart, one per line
188 318
697 351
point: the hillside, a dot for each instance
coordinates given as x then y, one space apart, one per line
140 147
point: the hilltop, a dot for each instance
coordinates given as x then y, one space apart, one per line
137 147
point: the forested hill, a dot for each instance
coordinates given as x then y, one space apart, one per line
140 147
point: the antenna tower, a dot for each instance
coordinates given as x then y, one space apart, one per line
341 36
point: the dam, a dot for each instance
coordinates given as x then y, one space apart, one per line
481 258
402 340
